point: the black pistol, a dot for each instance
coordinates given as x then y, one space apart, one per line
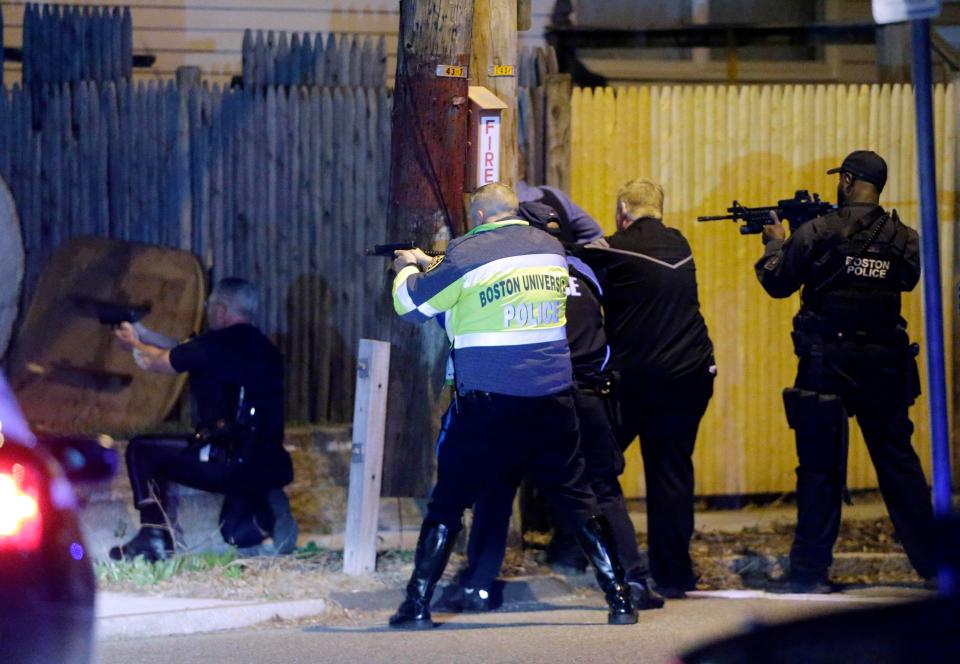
110 313
387 250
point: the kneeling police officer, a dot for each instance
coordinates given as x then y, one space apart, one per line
236 380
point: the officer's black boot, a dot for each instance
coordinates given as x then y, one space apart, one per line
433 550
152 543
598 545
644 595
284 531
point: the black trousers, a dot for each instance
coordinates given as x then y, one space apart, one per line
489 439
877 383
666 415
155 461
603 465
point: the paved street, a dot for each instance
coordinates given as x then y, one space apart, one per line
569 630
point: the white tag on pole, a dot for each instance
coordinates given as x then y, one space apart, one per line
896 11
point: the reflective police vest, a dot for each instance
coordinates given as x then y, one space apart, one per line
503 287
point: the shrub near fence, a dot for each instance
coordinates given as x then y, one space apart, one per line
284 186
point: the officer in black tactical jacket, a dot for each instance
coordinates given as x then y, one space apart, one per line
855 360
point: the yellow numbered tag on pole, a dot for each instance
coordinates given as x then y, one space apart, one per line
451 71
501 70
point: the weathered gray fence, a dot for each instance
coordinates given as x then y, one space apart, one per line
284 186
282 58
64 43
543 111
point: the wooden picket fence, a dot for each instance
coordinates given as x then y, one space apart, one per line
709 145
271 58
283 186
64 43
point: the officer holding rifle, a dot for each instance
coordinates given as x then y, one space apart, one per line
855 359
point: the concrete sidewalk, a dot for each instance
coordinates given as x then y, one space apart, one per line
131 617
135 616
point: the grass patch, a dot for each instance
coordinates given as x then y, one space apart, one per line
313 571
141 573
224 566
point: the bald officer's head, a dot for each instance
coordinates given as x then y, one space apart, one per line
492 202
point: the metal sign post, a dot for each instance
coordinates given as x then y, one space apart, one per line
919 13
932 286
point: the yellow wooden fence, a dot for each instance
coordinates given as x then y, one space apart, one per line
709 145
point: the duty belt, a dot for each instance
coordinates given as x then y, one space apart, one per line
808 323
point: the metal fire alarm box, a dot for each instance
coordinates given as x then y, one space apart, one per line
483 159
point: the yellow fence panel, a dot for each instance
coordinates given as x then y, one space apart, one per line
709 145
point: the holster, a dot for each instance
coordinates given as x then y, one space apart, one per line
228 442
606 384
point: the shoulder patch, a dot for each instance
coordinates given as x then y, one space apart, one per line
435 262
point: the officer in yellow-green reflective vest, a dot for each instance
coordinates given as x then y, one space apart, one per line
502 288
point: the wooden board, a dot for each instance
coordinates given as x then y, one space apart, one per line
69 373
366 459
11 265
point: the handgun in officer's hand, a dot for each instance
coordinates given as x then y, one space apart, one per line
110 313
797 211
388 250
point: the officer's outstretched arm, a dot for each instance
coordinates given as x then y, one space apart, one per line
419 296
153 359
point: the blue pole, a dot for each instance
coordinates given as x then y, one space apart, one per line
932 288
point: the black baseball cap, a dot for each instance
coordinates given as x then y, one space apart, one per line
864 165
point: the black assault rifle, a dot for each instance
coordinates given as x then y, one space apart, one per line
797 210
386 250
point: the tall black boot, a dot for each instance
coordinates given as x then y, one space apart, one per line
433 550
284 530
601 551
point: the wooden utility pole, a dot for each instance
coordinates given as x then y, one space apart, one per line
428 150
493 64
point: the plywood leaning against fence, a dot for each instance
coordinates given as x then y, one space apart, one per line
757 144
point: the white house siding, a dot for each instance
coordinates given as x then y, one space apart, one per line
209 33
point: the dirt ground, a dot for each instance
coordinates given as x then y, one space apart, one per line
753 557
